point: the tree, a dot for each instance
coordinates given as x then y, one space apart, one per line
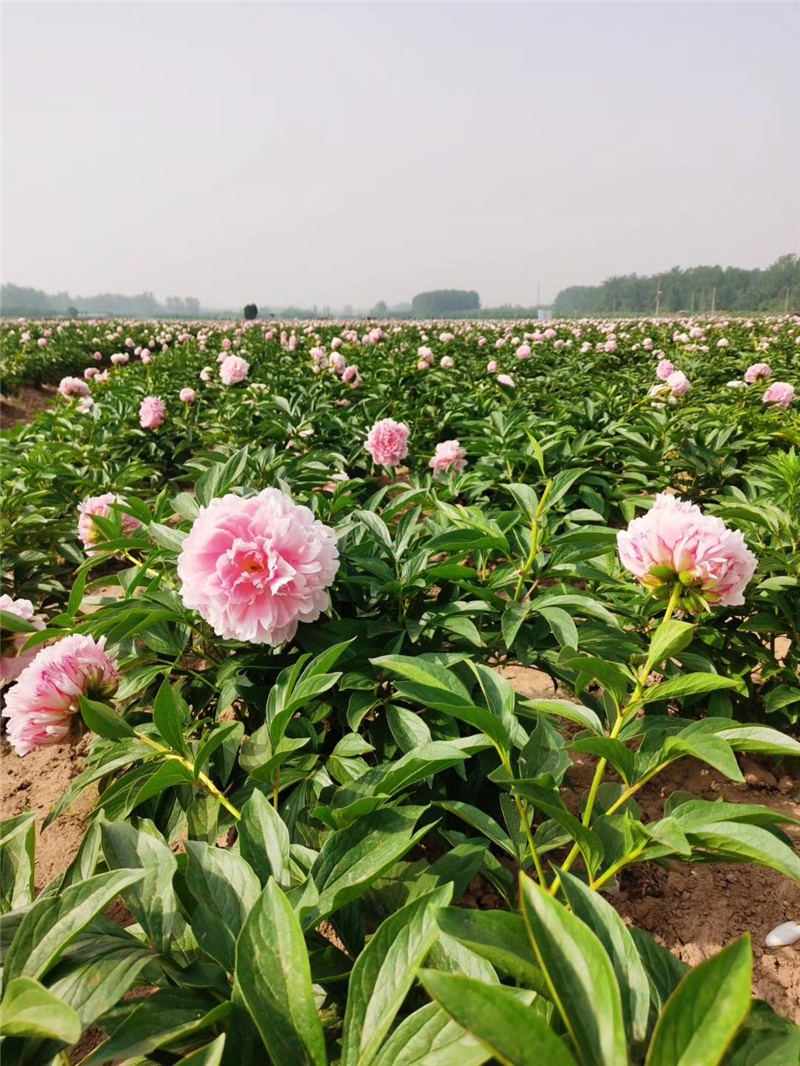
442 302
380 310
71 312
250 311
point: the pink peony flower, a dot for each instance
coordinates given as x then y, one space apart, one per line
84 405
351 377
90 372
758 372
678 383
524 351
675 541
491 366
89 532
73 387
446 362
723 342
187 396
254 568
226 344
780 393
449 455
120 359
506 379
152 412
42 342
12 660
43 707
233 370
387 442
664 369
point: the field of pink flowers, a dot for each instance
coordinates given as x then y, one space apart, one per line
277 571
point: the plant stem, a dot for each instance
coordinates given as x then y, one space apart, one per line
522 807
534 541
203 780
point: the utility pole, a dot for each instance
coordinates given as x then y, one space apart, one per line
786 302
714 300
691 305
658 298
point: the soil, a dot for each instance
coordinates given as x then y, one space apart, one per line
24 405
693 910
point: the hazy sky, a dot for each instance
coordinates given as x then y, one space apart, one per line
335 153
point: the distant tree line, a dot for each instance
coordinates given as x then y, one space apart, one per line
697 290
17 301
439 303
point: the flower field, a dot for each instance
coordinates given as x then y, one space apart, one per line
279 579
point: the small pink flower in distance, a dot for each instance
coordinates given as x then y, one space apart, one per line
500 343
723 343
48 333
12 659
506 379
336 343
43 707
187 395
678 383
423 364
233 370
144 354
549 334
84 405
205 374
491 366
337 362
446 362
146 359
336 479
758 372
98 357
137 351
610 346
779 393
119 359
481 342
695 333
73 387
130 343
255 568
226 344
42 342
351 377
102 378
524 351
90 372
425 353
664 369
676 542
387 442
152 412
89 532
449 455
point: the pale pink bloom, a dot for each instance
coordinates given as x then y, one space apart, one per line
90 372
336 343
780 393
549 334
98 357
48 333
446 362
233 370
256 567
723 343
351 377
205 373
445 337
88 531
696 549
500 343
506 379
678 383
491 366
737 384
43 707
695 333
102 377
449 455
423 364
387 442
120 359
758 372
481 342
187 396
337 362
73 387
524 351
664 369
610 346
84 405
226 344
144 355
130 343
42 342
137 351
152 412
12 659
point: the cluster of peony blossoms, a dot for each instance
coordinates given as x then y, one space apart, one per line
89 532
449 455
233 370
13 659
780 394
255 567
69 387
676 543
43 707
152 412
387 442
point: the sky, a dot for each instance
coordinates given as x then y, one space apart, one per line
343 153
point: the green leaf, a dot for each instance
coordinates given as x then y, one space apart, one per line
273 978
423 672
670 638
612 933
12 623
708 748
689 685
166 537
101 719
705 1011
17 862
97 972
264 840
561 626
580 977
498 936
737 841
226 890
484 823
384 972
30 1010
573 712
52 923
514 1033
168 719
233 731
152 900
429 1037
210 1055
